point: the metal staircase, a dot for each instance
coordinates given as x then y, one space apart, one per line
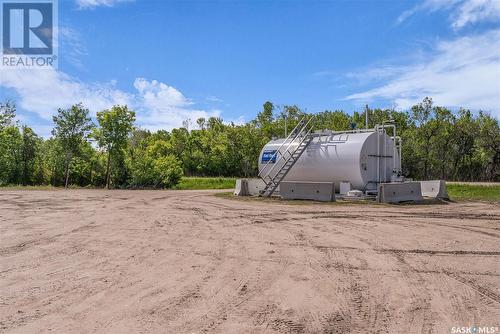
278 166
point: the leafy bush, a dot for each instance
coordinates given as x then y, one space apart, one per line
167 171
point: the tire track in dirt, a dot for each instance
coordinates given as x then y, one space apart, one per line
361 313
475 286
10 250
400 253
423 305
420 304
184 262
248 283
389 214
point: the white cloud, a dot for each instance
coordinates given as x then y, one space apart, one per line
43 91
88 4
463 72
463 12
236 121
157 105
427 6
214 99
376 73
164 107
74 49
472 11
158 95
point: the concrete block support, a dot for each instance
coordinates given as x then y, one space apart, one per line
399 192
317 191
254 186
345 187
241 188
434 189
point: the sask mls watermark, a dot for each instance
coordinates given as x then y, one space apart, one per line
28 34
474 330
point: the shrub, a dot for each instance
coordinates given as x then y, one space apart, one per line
167 171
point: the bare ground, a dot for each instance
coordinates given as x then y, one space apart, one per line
93 261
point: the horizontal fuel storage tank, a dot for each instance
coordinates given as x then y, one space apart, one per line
337 157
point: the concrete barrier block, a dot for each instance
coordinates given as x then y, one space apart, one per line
434 189
317 191
241 188
399 192
255 186
345 187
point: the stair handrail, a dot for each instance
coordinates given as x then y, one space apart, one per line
304 126
273 179
292 133
305 136
303 139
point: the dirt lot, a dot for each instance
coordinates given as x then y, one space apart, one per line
83 261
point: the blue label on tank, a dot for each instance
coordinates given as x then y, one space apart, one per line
269 156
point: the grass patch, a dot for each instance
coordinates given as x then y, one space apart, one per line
470 192
20 187
199 183
186 183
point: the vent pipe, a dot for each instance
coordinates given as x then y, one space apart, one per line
366 116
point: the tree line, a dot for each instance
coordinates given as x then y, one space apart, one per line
111 151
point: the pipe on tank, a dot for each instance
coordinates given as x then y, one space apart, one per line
382 127
366 117
399 143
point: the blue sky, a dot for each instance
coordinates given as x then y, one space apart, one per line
173 60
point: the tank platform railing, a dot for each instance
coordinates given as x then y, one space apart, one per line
285 154
319 133
304 137
298 133
290 139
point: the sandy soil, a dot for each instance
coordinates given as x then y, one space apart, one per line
95 261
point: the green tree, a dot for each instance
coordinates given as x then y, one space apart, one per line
167 171
29 150
264 120
7 114
463 144
489 146
11 143
426 131
72 127
115 126
333 120
437 143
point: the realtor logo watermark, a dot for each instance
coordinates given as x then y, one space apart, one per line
28 33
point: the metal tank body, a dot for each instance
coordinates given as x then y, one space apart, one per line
351 157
